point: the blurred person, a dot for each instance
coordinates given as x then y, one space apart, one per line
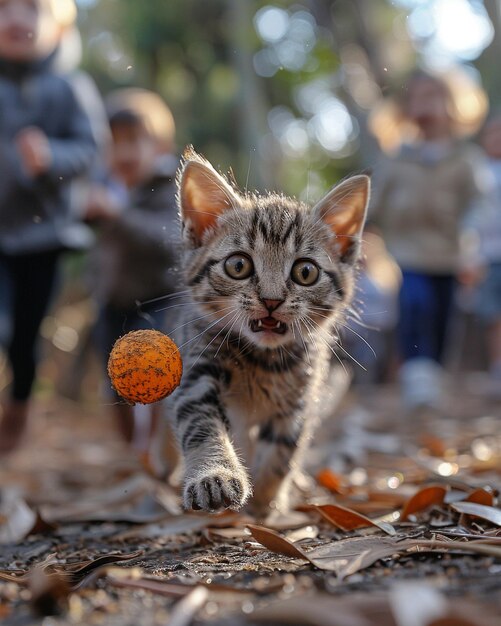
421 198
136 214
45 142
486 225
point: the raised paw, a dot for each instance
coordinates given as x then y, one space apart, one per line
217 489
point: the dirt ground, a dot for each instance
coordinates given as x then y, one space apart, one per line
399 525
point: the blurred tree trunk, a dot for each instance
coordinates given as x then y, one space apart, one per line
252 107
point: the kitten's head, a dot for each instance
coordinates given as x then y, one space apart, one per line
269 267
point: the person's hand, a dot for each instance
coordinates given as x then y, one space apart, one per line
100 204
34 148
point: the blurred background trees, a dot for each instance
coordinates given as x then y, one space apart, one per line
280 91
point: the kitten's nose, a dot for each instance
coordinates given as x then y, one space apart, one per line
271 305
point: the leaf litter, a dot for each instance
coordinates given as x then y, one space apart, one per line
89 537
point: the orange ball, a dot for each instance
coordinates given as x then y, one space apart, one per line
145 366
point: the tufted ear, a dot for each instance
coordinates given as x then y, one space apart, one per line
344 210
204 195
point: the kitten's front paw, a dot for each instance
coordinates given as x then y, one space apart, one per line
215 489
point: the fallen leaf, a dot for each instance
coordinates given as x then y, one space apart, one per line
346 519
480 496
350 555
18 520
275 542
331 481
422 500
74 574
488 513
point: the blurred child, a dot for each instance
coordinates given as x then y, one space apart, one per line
419 202
45 142
138 240
488 226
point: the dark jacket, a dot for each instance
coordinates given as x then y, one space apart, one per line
137 253
34 212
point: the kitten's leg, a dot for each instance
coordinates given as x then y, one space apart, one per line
278 445
215 478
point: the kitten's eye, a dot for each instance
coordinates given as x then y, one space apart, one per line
238 266
305 273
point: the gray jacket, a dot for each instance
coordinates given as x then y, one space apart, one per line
136 258
34 212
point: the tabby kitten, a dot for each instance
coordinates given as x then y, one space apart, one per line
269 278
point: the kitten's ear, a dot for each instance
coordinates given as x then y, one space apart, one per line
204 195
344 209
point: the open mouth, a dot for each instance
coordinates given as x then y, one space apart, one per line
269 324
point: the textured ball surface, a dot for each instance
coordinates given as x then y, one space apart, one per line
145 366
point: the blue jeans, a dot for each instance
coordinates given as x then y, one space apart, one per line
425 307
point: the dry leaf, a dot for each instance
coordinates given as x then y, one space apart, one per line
73 574
480 496
331 481
422 500
275 542
16 521
346 519
488 513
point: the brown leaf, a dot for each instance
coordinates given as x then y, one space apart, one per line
76 575
488 513
422 500
481 496
331 481
348 556
346 519
275 542
344 557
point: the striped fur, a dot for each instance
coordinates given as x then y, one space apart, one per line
248 399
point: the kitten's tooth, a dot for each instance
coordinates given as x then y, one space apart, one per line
278 324
259 323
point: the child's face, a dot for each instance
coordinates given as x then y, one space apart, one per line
426 106
27 29
134 152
